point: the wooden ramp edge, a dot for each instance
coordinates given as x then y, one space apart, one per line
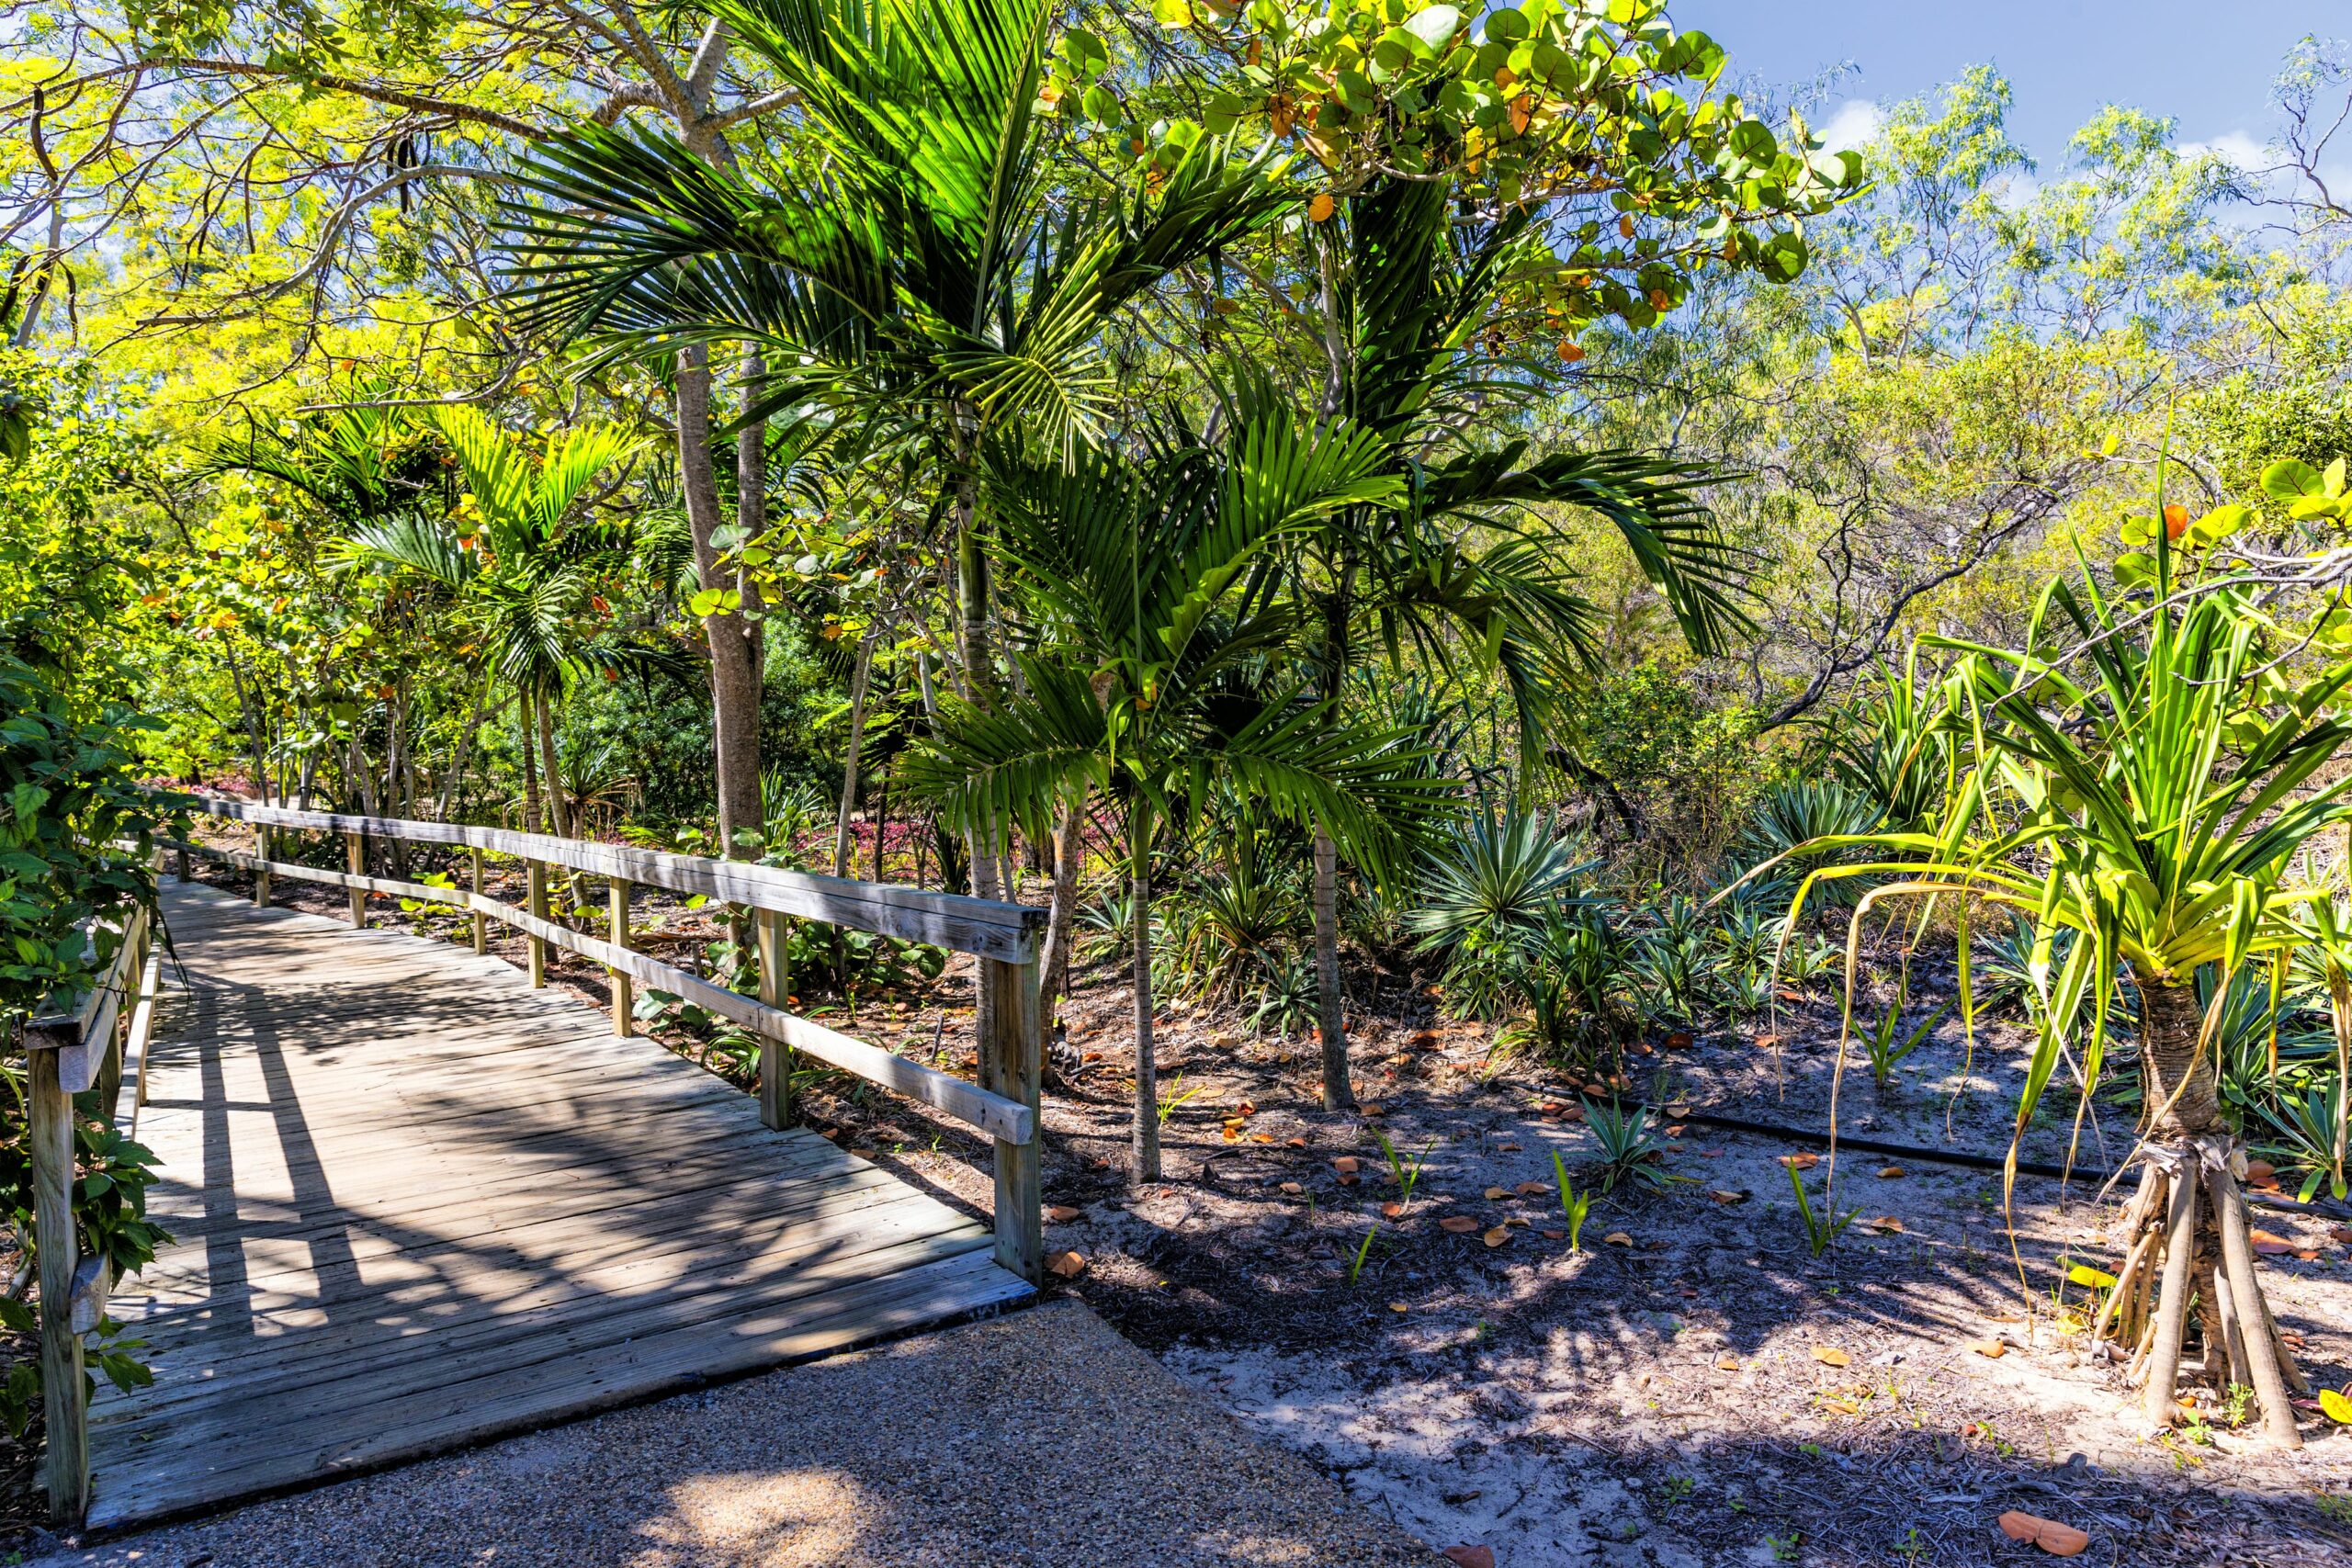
416 1204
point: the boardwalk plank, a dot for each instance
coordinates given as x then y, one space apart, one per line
418 1204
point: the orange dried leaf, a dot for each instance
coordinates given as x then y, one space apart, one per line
2271 1246
1497 1237
1457 1225
1062 1214
2059 1541
1293 1187
1831 1356
1531 1189
1495 1193
1801 1162
1991 1349
1618 1238
1892 1172
1067 1266
1390 1211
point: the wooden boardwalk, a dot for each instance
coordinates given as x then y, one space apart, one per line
417 1203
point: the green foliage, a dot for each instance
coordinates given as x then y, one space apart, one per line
1574 1206
1630 1147
1821 1227
1490 894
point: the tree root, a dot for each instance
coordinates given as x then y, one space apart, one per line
2172 1243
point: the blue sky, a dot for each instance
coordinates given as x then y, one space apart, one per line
2209 65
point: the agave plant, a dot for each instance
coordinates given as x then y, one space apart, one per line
1803 812
1488 898
2156 808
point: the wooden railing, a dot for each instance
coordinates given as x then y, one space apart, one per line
96 1040
1004 938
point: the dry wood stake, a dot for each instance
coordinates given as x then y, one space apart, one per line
624 999
775 1056
536 874
66 1464
482 921
354 856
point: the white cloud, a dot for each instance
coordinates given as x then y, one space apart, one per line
2236 148
1855 122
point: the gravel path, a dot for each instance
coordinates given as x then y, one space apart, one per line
1034 1440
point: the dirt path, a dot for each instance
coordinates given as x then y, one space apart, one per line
1039 1439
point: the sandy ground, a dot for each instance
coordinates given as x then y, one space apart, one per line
1038 1439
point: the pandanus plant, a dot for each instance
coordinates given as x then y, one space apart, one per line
2143 775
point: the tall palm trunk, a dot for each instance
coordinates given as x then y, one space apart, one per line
525 721
1062 909
559 806
734 668
859 674
1339 1094
1147 1127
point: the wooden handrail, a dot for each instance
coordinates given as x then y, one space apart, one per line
1004 938
1010 933
92 1043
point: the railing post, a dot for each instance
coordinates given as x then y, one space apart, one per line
536 872
775 989
66 1467
617 891
1011 1065
260 871
482 921
354 858
179 859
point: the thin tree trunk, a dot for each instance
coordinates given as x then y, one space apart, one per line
881 827
1061 910
559 803
734 669
1330 1002
1147 1128
859 674
465 745
523 721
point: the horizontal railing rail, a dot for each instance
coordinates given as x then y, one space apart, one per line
1003 938
1009 933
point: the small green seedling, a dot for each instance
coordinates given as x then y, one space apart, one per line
1576 1205
1172 1099
1879 1040
1405 1172
1820 1230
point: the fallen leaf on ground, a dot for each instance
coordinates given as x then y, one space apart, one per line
1677 1110
2261 1170
1497 1237
1991 1349
1062 1214
1801 1162
1531 1189
1831 1356
1842 1407
1457 1225
1232 1134
2335 1406
2059 1541
1495 1193
1297 1143
2271 1246
1398 1306
2341 1233
1892 1172
1887 1222
1261 1137
1390 1211
1508 1148
1727 1364
1470 1556
1674 1131
1618 1238
1556 1235
1293 1187
1372 1108
1720 1196
1069 1266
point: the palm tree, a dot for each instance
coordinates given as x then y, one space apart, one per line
524 570
914 265
2156 810
1145 638
1463 556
